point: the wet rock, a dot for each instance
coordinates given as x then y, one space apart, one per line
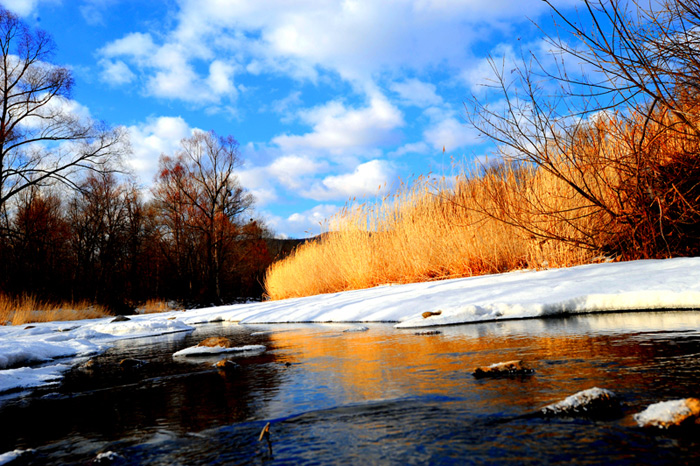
431 332
88 366
131 363
226 365
592 402
356 329
109 457
213 342
120 319
503 369
674 413
427 314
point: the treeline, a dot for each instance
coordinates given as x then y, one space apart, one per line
190 239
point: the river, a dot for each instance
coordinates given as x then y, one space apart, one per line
383 395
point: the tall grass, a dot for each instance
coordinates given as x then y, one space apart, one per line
29 309
425 232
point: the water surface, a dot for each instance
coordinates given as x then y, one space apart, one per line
379 396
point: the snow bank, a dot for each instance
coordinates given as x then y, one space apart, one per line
29 355
649 284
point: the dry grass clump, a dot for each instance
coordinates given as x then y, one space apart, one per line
155 306
29 309
422 233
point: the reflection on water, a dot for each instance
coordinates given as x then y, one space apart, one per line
384 395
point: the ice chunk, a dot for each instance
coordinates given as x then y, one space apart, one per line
208 350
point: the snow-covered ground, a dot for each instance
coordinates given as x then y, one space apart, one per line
34 355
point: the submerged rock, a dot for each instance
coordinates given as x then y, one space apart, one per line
503 369
594 401
430 332
672 413
88 366
213 342
356 329
109 457
131 363
427 314
226 365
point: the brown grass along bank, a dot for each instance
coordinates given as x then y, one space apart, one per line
29 309
423 233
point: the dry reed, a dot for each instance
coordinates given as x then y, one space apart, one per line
29 309
425 232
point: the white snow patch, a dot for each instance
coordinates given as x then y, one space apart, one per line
10 456
663 414
209 350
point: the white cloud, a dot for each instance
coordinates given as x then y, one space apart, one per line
447 130
292 170
24 7
368 179
116 73
136 45
337 128
418 93
357 40
220 78
411 148
148 141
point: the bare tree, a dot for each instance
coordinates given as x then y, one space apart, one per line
620 135
202 201
42 140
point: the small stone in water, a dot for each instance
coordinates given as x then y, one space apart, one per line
227 365
587 402
508 368
672 413
130 363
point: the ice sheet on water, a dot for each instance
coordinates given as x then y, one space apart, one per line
209 350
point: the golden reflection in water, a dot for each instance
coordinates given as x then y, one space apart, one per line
386 363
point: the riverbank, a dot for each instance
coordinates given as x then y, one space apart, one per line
36 355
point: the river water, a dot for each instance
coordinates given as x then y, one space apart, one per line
383 395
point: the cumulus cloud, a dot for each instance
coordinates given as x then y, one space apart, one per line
149 140
116 73
417 93
368 179
337 128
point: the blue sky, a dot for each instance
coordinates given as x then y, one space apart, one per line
329 100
